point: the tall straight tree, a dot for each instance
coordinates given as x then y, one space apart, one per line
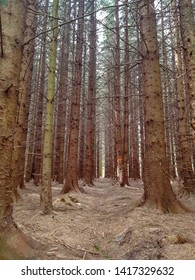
184 159
46 193
63 87
91 98
126 98
157 188
24 87
13 244
188 38
71 182
83 113
41 90
117 105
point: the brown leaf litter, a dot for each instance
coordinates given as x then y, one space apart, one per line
102 224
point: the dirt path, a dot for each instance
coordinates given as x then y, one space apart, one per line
100 224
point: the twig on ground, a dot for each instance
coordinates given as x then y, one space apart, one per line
84 255
87 251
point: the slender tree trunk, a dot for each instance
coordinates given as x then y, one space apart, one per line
157 188
98 154
46 193
71 182
126 100
89 162
30 137
166 93
41 92
22 162
83 115
117 105
134 136
188 38
62 107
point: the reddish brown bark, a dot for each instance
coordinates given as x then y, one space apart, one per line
71 182
41 92
89 161
157 188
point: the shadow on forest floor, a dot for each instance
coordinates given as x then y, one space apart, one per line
100 224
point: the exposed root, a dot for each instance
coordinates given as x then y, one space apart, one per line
164 207
17 245
186 192
90 185
16 196
72 187
116 184
188 188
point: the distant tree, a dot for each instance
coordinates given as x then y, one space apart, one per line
117 103
91 99
126 98
83 112
41 92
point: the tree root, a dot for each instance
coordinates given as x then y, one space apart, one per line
16 245
164 207
16 196
185 192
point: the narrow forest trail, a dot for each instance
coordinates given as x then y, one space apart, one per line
104 225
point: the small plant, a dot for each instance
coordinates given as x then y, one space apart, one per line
96 246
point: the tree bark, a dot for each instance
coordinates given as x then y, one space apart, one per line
126 100
187 23
158 193
63 95
41 92
24 87
13 244
71 182
89 161
46 178
117 105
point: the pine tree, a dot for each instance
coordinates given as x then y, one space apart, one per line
46 180
13 242
157 188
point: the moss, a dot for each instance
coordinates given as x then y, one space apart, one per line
96 246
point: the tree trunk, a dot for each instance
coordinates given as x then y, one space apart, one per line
41 92
89 161
83 115
157 188
13 243
63 95
24 87
117 105
46 193
126 100
71 182
188 38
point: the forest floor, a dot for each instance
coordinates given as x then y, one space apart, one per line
103 224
